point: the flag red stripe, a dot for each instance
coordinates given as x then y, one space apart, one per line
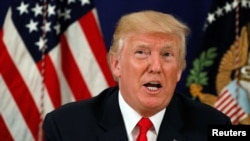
72 73
4 132
237 114
221 104
19 90
239 117
93 35
223 94
228 104
51 81
232 109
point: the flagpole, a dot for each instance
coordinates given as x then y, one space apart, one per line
237 52
43 69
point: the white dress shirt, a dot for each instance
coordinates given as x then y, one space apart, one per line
131 118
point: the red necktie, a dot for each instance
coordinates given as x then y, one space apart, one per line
144 124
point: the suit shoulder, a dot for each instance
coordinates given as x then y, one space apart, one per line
78 108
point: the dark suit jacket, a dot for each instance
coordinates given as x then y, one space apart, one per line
100 119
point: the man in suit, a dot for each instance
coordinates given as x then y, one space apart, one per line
147 58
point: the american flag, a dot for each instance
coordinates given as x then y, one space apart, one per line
229 105
51 53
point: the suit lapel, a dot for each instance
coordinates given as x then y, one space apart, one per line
172 125
112 123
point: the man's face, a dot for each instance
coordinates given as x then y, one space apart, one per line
148 69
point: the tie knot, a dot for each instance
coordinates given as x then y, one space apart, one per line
144 124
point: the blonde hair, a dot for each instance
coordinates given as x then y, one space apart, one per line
149 21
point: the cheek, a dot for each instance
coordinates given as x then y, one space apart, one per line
125 67
172 72
134 67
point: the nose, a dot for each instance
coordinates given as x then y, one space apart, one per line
154 63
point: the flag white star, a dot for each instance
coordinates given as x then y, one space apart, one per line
51 10
60 13
71 1
219 12
23 8
210 18
37 10
32 26
41 43
57 28
234 4
244 3
67 14
227 7
46 27
83 2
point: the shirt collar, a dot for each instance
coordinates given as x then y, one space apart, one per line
131 117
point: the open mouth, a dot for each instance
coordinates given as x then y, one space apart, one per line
153 86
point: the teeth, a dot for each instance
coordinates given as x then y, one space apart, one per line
152 88
153 85
154 82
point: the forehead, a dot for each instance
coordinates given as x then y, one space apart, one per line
152 38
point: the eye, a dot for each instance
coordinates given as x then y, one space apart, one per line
168 56
141 53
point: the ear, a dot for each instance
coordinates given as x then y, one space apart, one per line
179 75
115 65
